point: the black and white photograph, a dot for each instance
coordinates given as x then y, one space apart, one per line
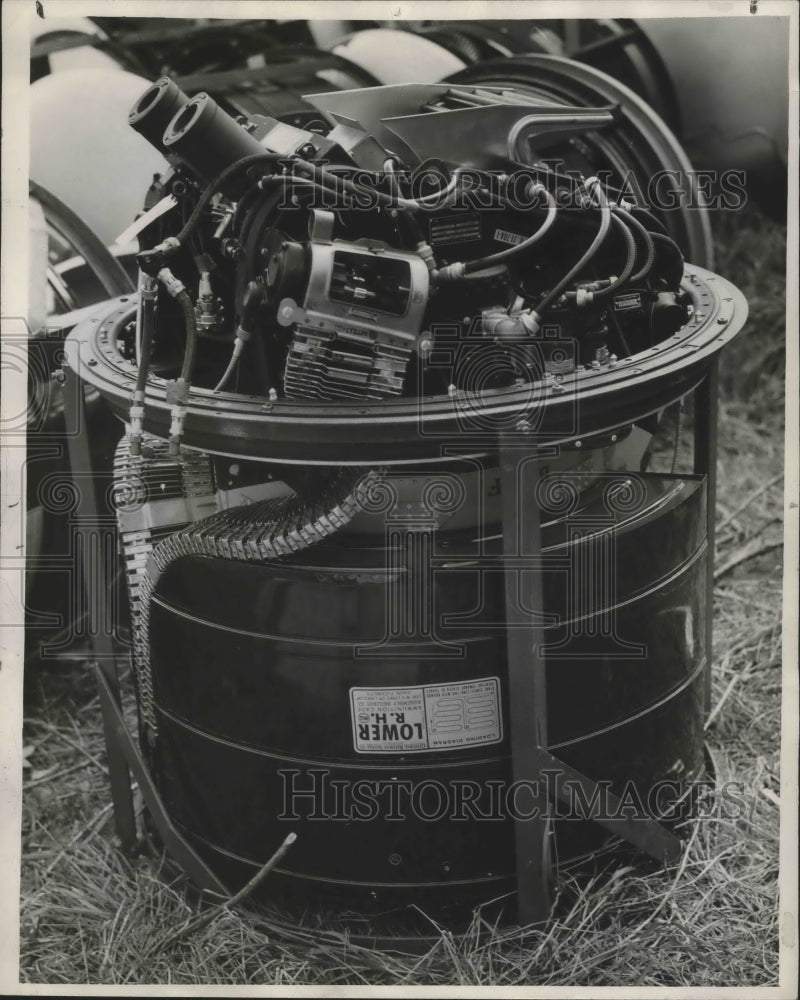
399 568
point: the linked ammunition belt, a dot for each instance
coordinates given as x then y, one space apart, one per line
155 495
255 532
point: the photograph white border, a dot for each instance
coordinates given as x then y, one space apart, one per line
18 16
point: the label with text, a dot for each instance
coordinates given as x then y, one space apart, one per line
429 717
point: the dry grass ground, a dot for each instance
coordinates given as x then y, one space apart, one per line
90 915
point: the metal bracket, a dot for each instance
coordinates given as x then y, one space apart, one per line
179 848
96 587
643 832
526 675
527 695
705 464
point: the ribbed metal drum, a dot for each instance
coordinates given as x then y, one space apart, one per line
304 694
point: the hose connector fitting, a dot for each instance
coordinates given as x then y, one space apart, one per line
532 321
172 284
426 253
178 396
450 273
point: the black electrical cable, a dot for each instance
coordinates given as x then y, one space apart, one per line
145 322
630 261
217 182
602 232
246 215
409 220
674 250
646 237
190 323
252 299
331 182
668 242
145 347
526 244
654 225
244 204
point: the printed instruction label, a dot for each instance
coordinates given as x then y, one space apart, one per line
429 717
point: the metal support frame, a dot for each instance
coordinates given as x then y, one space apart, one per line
178 847
96 588
527 694
705 464
526 674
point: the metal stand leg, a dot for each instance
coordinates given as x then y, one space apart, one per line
705 464
527 691
526 676
97 583
117 735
